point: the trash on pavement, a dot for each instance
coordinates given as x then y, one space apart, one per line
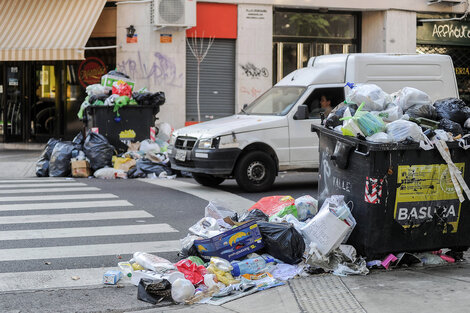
98 150
109 173
112 277
282 241
59 164
80 168
192 272
154 291
182 289
388 260
272 205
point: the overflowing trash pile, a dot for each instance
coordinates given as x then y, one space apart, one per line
407 116
226 256
93 154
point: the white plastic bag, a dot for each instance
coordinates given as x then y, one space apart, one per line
350 127
401 129
163 131
97 89
206 227
392 113
182 289
307 207
148 145
408 96
379 137
374 98
110 100
109 173
152 262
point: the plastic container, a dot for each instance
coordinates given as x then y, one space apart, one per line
250 266
403 197
152 262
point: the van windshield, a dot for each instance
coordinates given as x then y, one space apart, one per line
275 101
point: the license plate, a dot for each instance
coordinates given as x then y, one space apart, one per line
180 155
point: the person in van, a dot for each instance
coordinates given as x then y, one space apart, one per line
325 103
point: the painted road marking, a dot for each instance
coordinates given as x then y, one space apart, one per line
64 205
42 190
59 197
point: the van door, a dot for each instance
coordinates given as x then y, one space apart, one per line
303 143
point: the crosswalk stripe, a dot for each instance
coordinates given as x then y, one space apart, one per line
48 218
96 231
41 190
64 205
42 184
59 197
35 180
54 279
48 253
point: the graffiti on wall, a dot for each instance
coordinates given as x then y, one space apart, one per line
252 92
253 71
161 71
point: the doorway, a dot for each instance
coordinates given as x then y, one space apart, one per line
12 102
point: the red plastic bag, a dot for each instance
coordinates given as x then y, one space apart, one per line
272 205
122 89
192 272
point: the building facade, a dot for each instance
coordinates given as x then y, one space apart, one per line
209 57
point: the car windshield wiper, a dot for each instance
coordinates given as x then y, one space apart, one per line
243 110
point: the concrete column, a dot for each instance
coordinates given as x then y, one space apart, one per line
389 31
156 61
253 73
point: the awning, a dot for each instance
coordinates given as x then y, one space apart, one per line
34 30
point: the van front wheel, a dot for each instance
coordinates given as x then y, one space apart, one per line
255 172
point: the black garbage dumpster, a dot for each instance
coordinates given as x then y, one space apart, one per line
403 196
133 119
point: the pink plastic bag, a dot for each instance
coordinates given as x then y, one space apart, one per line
122 89
192 272
272 205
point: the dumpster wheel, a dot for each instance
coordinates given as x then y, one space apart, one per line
255 172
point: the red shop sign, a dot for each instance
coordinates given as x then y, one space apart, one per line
90 71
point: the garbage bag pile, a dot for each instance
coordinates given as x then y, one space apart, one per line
405 116
119 95
94 155
227 255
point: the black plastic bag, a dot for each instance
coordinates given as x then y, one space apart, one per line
145 167
148 98
59 165
333 120
256 215
98 150
451 127
78 141
282 241
154 291
42 167
93 98
452 109
47 153
422 110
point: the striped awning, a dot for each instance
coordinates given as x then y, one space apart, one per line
37 30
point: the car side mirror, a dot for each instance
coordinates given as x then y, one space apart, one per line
244 106
302 112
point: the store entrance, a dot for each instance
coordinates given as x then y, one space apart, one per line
12 100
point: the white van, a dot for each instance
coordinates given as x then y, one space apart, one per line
273 133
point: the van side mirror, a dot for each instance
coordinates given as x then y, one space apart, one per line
244 106
302 112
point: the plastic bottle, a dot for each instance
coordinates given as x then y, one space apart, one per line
250 266
153 262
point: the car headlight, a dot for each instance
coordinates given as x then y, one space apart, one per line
208 143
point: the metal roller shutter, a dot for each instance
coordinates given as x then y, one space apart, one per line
217 81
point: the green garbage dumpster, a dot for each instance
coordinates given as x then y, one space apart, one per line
403 196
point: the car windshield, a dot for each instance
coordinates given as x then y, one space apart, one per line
275 101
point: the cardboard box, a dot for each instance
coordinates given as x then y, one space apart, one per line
112 277
80 168
232 244
108 80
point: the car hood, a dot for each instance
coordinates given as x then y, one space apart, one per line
235 123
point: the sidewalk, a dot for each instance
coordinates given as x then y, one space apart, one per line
422 289
18 161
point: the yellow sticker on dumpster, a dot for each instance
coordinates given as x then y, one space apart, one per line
424 193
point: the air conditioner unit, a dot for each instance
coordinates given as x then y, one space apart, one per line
174 13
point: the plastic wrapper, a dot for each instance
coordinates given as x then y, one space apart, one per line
120 102
163 131
307 207
97 89
401 130
182 289
109 173
206 227
285 272
110 100
122 89
273 204
152 262
426 110
148 145
144 167
219 211
408 97
187 247
451 127
98 150
333 119
379 137
59 164
263 281
154 291
224 277
367 122
452 109
392 113
291 209
373 97
282 241
192 272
